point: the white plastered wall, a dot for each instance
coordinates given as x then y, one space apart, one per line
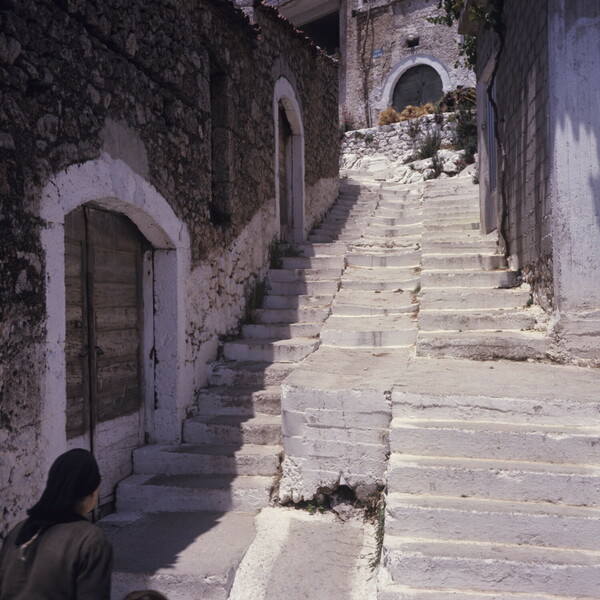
113 185
284 93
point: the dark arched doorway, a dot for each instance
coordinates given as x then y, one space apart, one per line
417 86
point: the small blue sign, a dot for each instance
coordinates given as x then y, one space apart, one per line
377 53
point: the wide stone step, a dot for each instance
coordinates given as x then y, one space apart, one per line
451 226
461 320
197 459
497 440
277 331
401 592
494 521
301 275
407 217
300 301
312 262
484 344
251 374
461 245
183 555
473 279
501 480
287 288
384 285
357 302
472 299
351 332
327 249
437 237
233 429
302 314
239 400
182 493
483 392
492 567
463 261
291 350
403 258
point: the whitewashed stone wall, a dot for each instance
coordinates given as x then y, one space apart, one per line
398 140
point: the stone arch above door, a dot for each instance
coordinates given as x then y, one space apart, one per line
113 185
387 95
285 96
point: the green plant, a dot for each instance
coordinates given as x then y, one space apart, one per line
375 513
429 146
466 133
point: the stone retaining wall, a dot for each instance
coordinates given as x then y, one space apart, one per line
398 140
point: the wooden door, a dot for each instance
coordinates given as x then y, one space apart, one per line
103 266
285 176
417 86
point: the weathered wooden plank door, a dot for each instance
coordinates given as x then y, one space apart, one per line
285 176
103 272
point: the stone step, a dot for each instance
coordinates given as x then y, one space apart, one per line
280 331
303 314
472 279
301 275
493 521
402 258
233 429
212 459
238 400
463 320
456 225
183 555
492 567
511 480
255 374
358 302
327 249
401 592
312 262
484 344
397 331
384 219
182 493
467 261
287 288
491 401
468 299
460 246
497 440
300 301
385 284
291 350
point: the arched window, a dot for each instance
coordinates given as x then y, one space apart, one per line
417 86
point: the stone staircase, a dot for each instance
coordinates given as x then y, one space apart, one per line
493 488
471 305
374 307
225 468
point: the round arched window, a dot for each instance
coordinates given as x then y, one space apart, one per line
419 85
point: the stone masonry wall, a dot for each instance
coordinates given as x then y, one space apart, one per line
398 140
376 46
523 103
73 73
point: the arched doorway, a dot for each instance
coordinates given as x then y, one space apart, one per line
289 162
117 260
417 86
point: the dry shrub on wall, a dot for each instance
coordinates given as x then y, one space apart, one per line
388 116
413 112
391 115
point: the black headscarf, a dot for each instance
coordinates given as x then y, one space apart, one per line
73 476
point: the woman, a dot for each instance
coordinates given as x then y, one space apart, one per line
56 553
